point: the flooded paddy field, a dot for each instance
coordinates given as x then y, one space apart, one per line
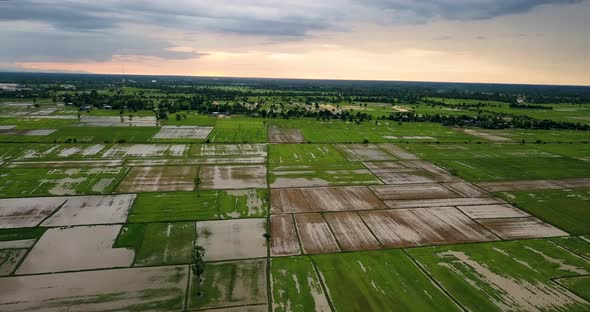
139 289
159 178
233 177
510 275
58 181
232 239
293 215
231 284
284 135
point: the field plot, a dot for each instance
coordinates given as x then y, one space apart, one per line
438 173
54 151
521 228
397 151
523 185
566 209
235 204
58 181
578 245
146 150
233 177
492 211
363 152
83 210
232 239
166 243
412 191
27 212
296 286
159 178
9 260
378 281
76 248
284 135
309 176
65 164
9 150
182 133
284 240
229 153
136 289
505 276
117 121
419 227
315 234
573 183
323 199
486 135
230 284
102 134
350 231
236 130
466 189
299 154
580 285
444 202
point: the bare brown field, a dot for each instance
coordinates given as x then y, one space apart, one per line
420 227
284 240
315 234
159 178
573 183
350 231
282 135
233 177
522 185
521 228
412 191
323 199
363 152
466 189
27 212
398 151
493 211
437 172
485 135
232 239
404 177
445 202
85 210
386 166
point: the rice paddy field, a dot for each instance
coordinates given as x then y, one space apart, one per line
99 214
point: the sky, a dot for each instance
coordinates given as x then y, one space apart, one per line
503 41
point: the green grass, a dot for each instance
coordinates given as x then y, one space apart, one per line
8 150
531 136
103 134
29 123
243 204
70 181
21 233
508 275
580 151
296 285
566 209
578 245
166 243
131 236
226 284
434 152
238 130
174 206
193 206
294 154
579 285
378 281
497 169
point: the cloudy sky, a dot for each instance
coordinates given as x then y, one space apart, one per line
513 41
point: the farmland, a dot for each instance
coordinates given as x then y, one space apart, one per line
340 206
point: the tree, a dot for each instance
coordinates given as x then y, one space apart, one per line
198 263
